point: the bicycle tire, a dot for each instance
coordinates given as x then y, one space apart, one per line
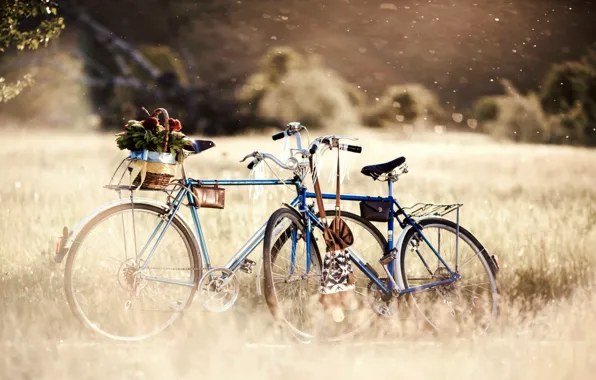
196 267
465 237
270 252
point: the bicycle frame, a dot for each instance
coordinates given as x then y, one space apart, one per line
407 222
184 194
312 221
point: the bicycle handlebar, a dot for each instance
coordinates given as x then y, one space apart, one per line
292 163
354 149
258 156
330 141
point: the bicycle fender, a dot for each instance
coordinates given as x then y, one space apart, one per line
72 236
294 210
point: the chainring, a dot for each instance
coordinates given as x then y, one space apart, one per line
381 306
218 289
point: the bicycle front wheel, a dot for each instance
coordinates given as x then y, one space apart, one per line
106 286
292 292
291 278
465 307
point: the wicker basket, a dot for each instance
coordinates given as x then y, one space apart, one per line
159 168
157 177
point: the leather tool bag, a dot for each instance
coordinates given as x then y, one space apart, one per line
209 196
375 211
337 277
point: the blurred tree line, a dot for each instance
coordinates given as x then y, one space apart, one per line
169 53
161 54
563 111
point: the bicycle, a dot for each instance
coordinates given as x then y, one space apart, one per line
441 292
157 266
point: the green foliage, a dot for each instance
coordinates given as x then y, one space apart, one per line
563 112
56 99
11 90
569 89
137 137
486 109
291 87
164 58
123 99
404 103
516 117
28 24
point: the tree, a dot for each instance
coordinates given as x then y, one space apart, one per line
26 25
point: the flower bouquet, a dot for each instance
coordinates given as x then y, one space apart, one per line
155 149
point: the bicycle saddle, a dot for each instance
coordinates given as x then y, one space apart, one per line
375 171
198 146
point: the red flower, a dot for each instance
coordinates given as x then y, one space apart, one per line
151 123
175 125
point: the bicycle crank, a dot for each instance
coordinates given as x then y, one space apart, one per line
379 302
218 289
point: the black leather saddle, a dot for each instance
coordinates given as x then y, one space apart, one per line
375 171
199 146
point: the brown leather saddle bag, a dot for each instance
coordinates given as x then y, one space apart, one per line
209 196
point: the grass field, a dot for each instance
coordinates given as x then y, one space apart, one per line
534 206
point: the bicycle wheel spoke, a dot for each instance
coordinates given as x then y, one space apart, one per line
469 260
296 292
115 300
454 306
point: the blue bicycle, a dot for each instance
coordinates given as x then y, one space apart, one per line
443 269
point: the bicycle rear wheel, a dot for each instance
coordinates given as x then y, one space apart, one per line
462 308
106 289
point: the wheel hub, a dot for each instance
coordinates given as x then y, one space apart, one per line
443 274
128 277
218 289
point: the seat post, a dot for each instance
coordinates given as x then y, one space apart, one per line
390 188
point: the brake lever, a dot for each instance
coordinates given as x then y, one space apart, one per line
302 152
253 154
343 138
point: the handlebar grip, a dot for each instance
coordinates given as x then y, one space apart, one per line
278 136
253 163
354 148
313 149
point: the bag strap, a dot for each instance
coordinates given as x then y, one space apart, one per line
329 238
318 195
327 233
337 192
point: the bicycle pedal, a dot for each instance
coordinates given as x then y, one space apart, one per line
388 257
247 266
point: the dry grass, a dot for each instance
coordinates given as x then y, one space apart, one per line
532 205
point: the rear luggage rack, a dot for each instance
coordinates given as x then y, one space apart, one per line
420 210
118 181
